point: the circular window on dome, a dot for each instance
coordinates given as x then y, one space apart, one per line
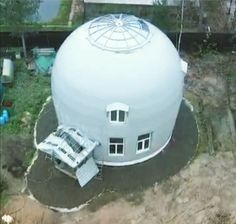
118 32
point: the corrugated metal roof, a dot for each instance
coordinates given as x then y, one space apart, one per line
131 2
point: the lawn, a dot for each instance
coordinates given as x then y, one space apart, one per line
28 93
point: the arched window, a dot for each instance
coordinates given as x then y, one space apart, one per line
117 112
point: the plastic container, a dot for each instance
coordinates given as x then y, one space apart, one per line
2 120
5 112
6 117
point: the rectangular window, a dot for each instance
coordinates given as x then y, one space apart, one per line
143 142
121 116
116 146
117 116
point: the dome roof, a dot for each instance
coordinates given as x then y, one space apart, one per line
89 65
118 32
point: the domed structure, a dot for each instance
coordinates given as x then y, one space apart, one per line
118 79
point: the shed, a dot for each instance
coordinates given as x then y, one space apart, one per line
44 59
7 71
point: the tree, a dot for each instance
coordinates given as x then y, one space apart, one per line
17 14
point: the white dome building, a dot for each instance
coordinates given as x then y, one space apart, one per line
119 80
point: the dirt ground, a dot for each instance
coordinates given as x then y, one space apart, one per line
13 151
202 193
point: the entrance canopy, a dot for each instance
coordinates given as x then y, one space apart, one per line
69 146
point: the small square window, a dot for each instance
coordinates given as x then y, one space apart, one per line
116 146
143 142
117 116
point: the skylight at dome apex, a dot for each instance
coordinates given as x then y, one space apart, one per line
118 32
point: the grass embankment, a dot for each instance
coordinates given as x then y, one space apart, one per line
63 13
59 23
62 17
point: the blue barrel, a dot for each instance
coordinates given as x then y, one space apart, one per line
5 117
5 113
2 120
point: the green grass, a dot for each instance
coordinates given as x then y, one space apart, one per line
29 155
3 189
212 5
28 94
232 74
202 123
166 18
191 17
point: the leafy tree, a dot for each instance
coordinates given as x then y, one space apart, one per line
16 14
